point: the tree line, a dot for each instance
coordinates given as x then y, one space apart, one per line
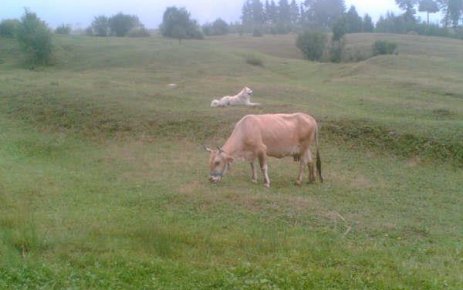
283 16
271 16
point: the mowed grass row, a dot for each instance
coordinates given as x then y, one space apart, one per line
104 180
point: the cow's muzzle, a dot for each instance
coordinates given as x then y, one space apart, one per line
215 177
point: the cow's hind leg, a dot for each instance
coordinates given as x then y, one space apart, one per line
306 160
301 171
263 165
310 165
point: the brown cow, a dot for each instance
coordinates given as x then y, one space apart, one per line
276 135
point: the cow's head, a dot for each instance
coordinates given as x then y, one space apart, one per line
219 162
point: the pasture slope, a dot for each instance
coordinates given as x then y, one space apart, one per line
103 179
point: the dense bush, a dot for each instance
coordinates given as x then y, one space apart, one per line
35 39
8 27
384 47
254 60
312 44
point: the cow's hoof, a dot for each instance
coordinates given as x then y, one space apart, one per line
298 182
267 185
254 181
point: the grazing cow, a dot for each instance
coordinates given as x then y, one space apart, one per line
242 98
276 135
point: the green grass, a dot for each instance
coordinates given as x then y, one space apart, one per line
103 179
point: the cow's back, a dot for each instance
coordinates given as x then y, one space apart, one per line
282 134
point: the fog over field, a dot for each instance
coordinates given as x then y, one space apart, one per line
81 13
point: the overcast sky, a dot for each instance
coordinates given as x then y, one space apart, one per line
80 13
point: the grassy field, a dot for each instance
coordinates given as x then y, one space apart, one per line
103 179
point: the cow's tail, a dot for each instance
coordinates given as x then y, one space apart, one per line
319 161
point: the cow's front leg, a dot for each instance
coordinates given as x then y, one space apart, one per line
253 172
263 165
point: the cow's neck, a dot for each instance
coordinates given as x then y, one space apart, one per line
232 147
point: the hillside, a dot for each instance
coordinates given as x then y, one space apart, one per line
103 177
416 94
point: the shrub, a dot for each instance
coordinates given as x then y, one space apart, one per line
254 60
312 44
336 50
9 27
384 47
63 29
35 39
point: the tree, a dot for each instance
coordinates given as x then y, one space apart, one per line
284 12
8 27
283 24
294 13
120 24
367 24
176 23
452 10
340 29
455 10
428 6
312 44
408 6
246 14
34 37
324 13
395 24
253 15
100 26
272 12
353 21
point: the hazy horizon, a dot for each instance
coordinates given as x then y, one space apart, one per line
80 14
